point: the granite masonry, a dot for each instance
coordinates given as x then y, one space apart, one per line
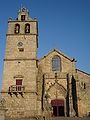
44 89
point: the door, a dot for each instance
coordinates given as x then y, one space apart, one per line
60 110
18 84
58 107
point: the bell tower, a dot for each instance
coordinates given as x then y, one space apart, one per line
20 66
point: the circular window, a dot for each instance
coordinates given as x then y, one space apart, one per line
19 44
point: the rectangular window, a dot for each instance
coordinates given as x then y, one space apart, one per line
19 82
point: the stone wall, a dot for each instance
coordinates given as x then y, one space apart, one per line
20 64
2 108
55 84
83 91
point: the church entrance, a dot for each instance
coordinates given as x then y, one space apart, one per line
58 107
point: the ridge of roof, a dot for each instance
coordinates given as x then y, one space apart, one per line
83 72
61 53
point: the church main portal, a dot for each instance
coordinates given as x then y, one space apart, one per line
58 107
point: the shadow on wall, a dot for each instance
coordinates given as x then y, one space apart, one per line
74 95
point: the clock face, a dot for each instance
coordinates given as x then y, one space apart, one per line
19 44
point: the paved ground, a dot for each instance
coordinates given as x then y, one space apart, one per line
70 118
54 118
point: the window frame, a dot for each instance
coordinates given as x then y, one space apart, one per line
27 24
56 63
19 81
19 84
17 30
23 17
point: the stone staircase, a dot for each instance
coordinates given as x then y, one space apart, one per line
70 118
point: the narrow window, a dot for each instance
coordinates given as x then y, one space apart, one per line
84 86
22 17
17 28
27 28
56 63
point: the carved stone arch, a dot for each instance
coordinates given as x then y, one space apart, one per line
57 94
56 87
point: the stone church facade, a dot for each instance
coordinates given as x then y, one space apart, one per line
40 88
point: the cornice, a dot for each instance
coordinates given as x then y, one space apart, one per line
20 34
21 59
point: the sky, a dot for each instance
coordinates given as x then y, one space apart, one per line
62 24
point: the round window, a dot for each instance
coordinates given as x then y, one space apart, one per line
19 44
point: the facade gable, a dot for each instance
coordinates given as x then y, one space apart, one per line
67 64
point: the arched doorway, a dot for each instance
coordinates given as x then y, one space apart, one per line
58 107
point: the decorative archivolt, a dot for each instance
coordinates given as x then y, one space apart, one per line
57 87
